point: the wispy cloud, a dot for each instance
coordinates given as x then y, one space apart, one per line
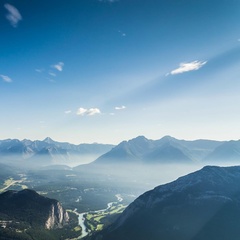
58 66
13 15
120 108
6 78
39 70
52 74
88 112
68 111
187 67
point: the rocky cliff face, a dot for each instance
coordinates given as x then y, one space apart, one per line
58 217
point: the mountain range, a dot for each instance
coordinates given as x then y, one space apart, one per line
171 150
48 151
204 205
137 150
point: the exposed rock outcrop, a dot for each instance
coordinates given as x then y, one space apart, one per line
58 217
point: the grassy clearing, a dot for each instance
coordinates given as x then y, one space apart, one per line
96 221
99 227
14 184
77 229
24 186
8 182
119 209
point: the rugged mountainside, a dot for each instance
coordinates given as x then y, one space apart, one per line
204 205
29 207
48 151
164 150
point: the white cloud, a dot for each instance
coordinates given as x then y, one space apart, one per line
6 78
81 111
120 108
67 111
88 112
93 111
186 67
58 66
13 15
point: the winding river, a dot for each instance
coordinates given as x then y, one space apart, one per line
81 220
81 217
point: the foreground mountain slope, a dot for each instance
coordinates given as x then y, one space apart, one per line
204 205
30 207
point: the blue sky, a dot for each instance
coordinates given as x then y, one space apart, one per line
105 71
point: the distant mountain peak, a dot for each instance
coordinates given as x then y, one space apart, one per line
139 140
48 140
168 138
141 137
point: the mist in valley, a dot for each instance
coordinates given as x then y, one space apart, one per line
96 191
143 175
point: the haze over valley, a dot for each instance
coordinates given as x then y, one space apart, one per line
94 194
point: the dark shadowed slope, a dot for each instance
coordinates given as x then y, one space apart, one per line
32 208
204 205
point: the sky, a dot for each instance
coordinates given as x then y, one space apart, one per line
104 71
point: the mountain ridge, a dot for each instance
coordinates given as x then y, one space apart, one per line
203 205
48 151
164 150
28 206
138 150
